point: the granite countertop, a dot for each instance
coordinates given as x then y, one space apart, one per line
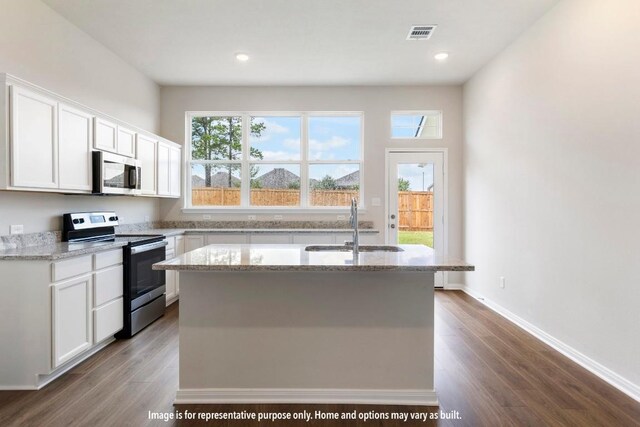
177 231
55 251
291 257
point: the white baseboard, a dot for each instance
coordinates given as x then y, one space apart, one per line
606 374
318 396
454 287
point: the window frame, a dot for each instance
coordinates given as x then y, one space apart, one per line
415 113
246 161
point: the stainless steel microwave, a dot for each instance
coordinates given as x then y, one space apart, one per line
114 174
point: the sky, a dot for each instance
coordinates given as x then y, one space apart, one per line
414 174
330 138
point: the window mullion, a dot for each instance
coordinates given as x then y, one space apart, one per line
304 164
245 185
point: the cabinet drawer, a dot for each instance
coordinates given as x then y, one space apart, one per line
107 285
171 243
107 320
69 268
108 258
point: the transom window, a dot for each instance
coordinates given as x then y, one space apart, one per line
274 160
416 124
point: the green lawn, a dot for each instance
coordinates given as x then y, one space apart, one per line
416 238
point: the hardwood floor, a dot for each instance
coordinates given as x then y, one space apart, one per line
487 369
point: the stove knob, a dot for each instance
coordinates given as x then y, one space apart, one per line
76 221
113 218
81 220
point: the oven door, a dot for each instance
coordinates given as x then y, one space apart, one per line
145 283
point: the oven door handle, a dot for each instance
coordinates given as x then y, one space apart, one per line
148 247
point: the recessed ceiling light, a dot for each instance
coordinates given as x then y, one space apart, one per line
441 56
242 57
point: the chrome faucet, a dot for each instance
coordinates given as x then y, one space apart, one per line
354 224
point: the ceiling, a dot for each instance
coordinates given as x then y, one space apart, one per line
302 42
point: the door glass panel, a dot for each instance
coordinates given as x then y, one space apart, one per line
415 204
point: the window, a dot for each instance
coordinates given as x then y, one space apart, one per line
274 160
416 124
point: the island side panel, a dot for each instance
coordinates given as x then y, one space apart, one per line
306 330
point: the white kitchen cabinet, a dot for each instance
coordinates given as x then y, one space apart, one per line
147 154
169 169
105 135
193 241
34 140
126 142
107 320
72 322
274 238
226 238
75 133
175 161
313 239
170 277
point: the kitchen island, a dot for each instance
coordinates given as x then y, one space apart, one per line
286 324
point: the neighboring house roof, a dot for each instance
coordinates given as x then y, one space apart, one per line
278 178
349 180
218 179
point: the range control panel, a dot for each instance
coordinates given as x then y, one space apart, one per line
87 220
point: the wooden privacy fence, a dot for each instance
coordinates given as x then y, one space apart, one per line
415 208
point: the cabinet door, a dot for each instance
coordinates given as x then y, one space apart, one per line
164 179
193 242
75 131
71 318
34 140
270 238
147 152
179 250
170 279
105 135
226 238
126 142
108 320
175 160
313 239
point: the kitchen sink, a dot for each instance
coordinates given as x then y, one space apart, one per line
361 248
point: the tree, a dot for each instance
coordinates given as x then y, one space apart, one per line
404 184
326 183
220 138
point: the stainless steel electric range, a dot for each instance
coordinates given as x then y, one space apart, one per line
144 288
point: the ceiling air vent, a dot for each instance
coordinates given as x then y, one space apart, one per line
421 32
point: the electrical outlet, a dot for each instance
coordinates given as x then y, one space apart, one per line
147 218
502 282
375 201
252 217
277 217
206 216
16 229
341 217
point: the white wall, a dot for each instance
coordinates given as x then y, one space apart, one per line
375 102
40 46
552 198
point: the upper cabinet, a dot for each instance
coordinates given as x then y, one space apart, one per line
147 154
169 162
46 143
126 142
114 138
75 133
34 140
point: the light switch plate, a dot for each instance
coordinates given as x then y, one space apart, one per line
16 229
147 218
375 201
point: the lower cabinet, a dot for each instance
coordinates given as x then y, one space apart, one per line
176 247
72 322
107 320
86 303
